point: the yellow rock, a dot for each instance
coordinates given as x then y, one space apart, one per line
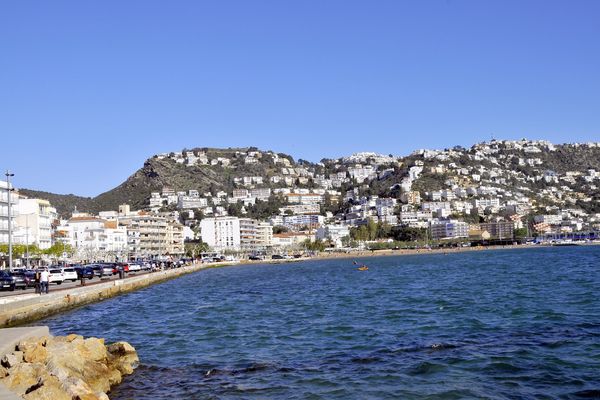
34 353
24 376
68 367
50 390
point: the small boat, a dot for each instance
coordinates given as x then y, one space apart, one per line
363 268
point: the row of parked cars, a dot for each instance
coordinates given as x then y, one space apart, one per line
25 278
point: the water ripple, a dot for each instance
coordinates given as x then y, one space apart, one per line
521 324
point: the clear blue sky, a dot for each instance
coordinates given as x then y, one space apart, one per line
90 89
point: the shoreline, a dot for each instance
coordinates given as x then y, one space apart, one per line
393 253
23 309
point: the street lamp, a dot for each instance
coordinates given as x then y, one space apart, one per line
8 190
27 237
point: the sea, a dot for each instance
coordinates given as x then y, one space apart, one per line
489 324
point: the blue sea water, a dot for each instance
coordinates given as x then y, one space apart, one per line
506 324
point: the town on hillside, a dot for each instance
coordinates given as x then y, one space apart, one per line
497 192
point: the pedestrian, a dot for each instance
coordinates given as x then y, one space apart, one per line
37 281
45 280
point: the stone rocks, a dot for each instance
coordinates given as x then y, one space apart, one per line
123 357
68 367
10 360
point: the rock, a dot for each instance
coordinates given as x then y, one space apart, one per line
96 348
72 337
123 357
93 396
12 359
24 345
34 352
24 376
48 389
69 367
76 387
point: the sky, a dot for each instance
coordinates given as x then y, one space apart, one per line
90 89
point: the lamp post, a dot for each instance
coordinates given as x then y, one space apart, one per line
8 192
27 227
27 241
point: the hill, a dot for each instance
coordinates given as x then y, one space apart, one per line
524 167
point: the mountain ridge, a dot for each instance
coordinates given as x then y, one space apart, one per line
214 169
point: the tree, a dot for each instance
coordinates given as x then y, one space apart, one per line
408 234
195 248
371 229
57 249
280 229
317 245
521 233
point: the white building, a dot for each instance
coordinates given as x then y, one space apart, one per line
34 222
4 197
255 235
335 233
222 233
93 238
449 229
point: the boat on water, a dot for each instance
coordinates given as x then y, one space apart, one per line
363 268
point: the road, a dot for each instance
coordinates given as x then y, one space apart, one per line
68 285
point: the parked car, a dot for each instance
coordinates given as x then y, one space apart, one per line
7 281
30 278
84 270
27 275
277 257
56 276
106 270
102 270
255 258
69 274
19 278
135 267
122 266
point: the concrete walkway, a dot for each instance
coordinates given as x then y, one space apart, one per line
9 338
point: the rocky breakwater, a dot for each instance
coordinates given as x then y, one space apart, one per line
66 367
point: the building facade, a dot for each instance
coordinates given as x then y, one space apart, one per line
221 233
7 194
34 222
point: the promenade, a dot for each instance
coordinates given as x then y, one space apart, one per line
24 308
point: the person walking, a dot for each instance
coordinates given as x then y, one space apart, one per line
44 280
37 281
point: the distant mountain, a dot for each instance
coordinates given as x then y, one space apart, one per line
64 203
527 165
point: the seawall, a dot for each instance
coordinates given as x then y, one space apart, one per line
21 309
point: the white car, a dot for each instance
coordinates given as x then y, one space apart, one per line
56 276
69 274
135 267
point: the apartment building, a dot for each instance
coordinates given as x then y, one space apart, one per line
221 233
255 235
335 233
93 238
6 193
34 221
449 229
499 230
